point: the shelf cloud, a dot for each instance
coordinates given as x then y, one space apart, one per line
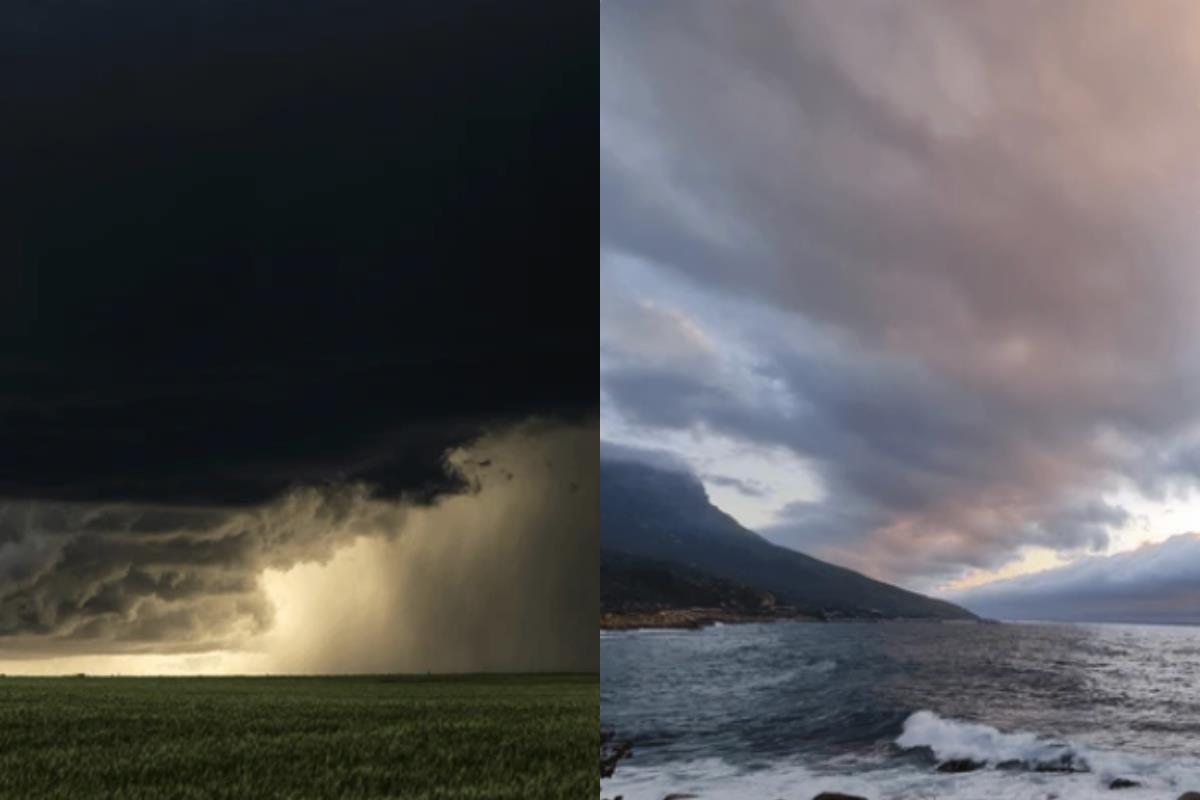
498 576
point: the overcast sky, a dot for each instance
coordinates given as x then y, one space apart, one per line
268 270
913 287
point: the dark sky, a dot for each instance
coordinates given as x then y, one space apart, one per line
251 246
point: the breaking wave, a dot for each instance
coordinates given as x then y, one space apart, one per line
905 712
952 740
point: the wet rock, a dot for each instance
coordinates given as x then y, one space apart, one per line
1122 783
837 796
1064 763
611 753
1189 796
959 765
680 796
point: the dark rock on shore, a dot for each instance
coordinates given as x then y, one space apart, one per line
1122 783
837 796
611 753
1189 796
959 765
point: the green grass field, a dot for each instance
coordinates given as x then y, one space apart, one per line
338 737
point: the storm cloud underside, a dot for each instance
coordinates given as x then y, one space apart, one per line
498 577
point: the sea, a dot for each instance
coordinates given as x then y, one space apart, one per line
786 710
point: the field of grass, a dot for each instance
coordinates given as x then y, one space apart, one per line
489 737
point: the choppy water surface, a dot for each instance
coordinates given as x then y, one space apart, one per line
787 710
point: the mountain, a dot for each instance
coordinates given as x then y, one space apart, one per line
664 515
630 584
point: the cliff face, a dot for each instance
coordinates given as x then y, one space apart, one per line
665 516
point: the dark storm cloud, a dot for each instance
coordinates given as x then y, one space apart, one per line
504 579
253 248
1157 583
176 578
265 268
937 250
494 578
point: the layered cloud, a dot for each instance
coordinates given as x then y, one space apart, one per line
130 577
1156 583
939 253
499 576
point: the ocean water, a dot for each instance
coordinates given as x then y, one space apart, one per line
784 711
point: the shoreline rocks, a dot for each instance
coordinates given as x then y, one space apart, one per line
611 752
691 618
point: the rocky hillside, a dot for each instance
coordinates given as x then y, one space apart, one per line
664 515
632 584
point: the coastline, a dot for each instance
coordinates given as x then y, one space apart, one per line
693 618
964 714
696 618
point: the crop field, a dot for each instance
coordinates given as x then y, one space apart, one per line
492 736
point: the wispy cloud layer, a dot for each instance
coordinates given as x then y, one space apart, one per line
942 253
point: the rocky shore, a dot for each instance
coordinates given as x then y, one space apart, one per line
614 750
840 796
692 618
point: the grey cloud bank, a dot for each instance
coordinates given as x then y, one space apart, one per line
941 252
1157 583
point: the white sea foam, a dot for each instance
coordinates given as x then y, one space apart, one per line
714 779
951 739
876 779
628 632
